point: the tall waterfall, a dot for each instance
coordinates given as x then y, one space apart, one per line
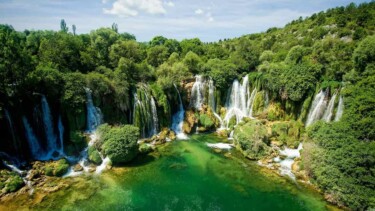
61 135
178 119
197 93
154 116
48 127
211 95
145 114
340 109
239 102
329 111
94 115
35 148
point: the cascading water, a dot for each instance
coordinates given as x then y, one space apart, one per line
317 108
154 116
35 148
327 116
178 119
251 102
239 102
145 113
48 127
94 115
197 93
61 136
340 109
211 95
11 128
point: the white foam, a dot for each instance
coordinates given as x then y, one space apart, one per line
220 145
102 166
182 136
291 153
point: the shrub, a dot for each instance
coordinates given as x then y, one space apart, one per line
251 139
120 143
94 155
206 121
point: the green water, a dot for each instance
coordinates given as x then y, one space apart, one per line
185 175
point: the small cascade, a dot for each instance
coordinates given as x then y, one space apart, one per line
197 93
340 109
61 136
94 115
327 116
48 127
211 95
145 114
105 162
317 108
286 164
154 116
35 148
239 102
178 119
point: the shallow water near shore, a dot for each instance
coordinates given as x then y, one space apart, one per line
182 175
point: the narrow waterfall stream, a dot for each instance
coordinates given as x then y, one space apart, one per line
36 151
94 115
49 128
178 118
340 109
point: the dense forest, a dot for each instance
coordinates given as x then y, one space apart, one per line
333 51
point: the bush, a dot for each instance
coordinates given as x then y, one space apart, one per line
251 139
10 181
94 155
120 143
145 148
56 168
206 121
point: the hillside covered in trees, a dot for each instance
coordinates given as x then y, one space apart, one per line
333 51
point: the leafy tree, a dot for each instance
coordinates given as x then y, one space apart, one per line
157 55
63 27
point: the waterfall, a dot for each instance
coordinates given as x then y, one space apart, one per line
239 102
178 118
211 95
197 93
251 102
36 150
329 111
317 108
94 115
145 113
154 116
340 109
48 127
61 135
11 128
